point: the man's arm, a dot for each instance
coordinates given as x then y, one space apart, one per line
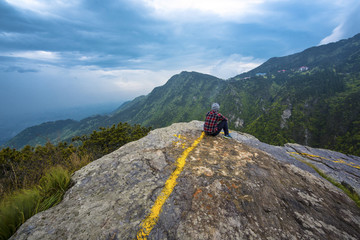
221 117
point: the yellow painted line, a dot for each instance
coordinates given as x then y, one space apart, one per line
150 221
351 164
224 133
183 145
180 136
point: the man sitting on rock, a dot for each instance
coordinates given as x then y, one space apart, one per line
215 122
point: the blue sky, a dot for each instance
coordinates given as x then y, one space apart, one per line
61 53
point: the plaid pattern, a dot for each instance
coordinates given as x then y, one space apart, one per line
212 120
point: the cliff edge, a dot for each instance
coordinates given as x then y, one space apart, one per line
228 189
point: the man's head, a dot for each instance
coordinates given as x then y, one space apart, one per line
215 107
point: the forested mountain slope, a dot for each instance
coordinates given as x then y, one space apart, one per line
312 98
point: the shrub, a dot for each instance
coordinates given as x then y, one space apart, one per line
52 187
26 169
100 143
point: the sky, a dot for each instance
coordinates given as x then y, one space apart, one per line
65 53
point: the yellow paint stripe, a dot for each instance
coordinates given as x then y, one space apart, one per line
351 164
224 133
150 221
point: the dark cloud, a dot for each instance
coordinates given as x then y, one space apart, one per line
110 33
110 30
12 20
20 70
73 52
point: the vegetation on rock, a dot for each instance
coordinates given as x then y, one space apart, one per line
35 179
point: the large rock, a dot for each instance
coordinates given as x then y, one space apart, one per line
228 189
341 167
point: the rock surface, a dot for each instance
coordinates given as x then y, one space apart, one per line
343 168
229 189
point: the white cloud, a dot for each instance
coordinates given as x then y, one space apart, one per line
55 87
226 67
79 85
35 55
225 9
29 4
234 65
336 35
348 20
44 7
113 84
140 82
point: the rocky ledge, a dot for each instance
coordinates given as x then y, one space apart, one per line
228 189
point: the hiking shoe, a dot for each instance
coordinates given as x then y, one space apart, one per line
227 136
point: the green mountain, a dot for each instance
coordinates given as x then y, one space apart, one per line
186 96
311 98
342 56
55 131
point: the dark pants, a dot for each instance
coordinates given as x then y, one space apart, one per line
222 125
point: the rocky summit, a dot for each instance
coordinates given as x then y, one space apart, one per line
177 183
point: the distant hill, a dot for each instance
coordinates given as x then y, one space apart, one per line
175 101
311 98
11 123
55 131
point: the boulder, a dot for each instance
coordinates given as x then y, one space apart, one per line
234 188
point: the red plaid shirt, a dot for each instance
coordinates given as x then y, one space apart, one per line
212 120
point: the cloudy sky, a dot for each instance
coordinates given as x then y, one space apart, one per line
60 53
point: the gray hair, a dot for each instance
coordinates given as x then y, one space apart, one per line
215 107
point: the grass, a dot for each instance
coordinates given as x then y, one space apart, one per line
16 208
24 168
346 188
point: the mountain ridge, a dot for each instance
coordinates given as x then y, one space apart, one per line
171 97
302 59
312 106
